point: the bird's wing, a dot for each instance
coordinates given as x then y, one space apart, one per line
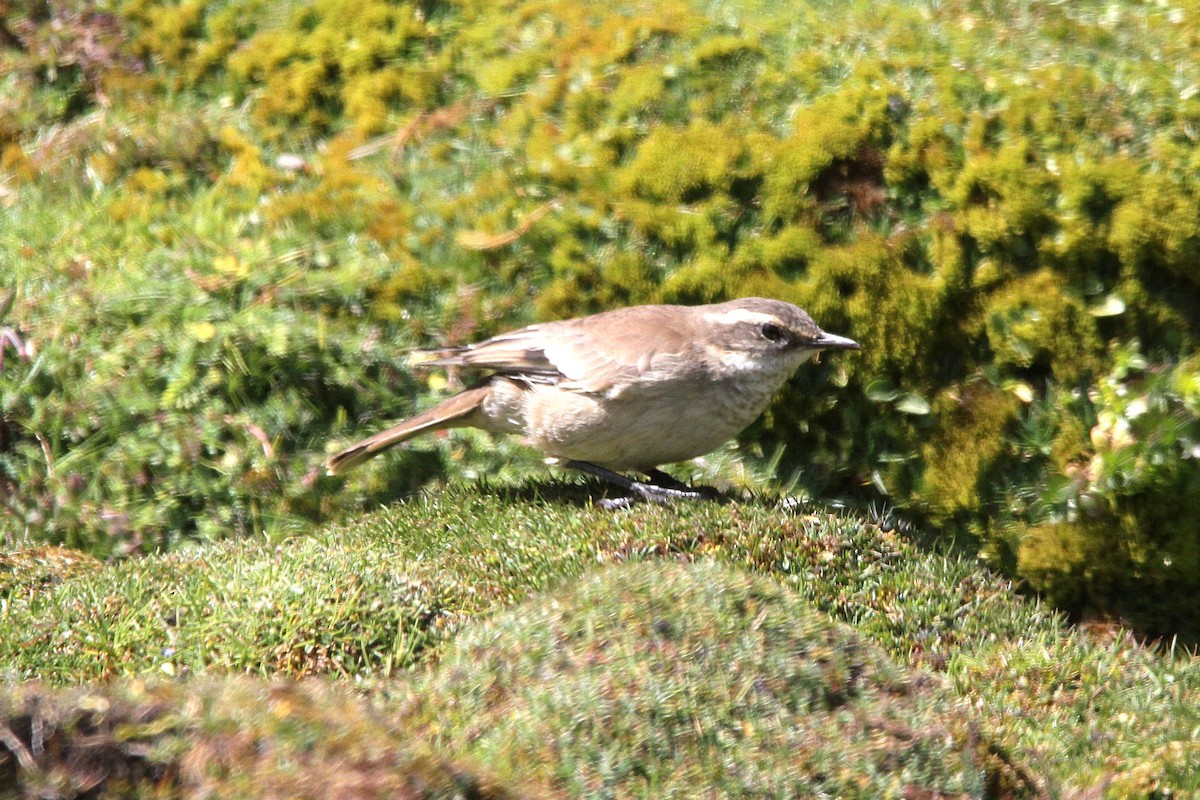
621 348
519 353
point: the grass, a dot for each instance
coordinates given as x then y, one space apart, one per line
617 643
412 571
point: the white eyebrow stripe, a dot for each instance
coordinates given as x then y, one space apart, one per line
739 315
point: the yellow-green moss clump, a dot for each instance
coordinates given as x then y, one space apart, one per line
965 450
1035 325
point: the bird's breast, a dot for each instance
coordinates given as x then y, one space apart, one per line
644 426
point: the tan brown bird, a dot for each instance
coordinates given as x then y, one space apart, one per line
625 390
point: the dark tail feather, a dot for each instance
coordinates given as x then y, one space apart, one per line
449 413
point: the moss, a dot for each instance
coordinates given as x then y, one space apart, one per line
786 254
345 195
168 32
1120 567
965 449
1055 558
1157 227
1034 323
706 279
924 153
1069 439
1005 196
334 58
248 173
684 166
719 49
862 289
677 681
833 129
639 88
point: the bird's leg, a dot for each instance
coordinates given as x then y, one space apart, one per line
659 478
651 492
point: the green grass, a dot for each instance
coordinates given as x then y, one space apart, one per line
409 572
426 602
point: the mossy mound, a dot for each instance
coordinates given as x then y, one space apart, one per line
399 602
380 595
668 681
225 738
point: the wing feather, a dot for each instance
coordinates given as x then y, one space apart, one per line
591 354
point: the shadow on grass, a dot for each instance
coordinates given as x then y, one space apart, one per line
588 492
584 493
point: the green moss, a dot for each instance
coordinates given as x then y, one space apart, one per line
679 166
325 61
965 449
1091 192
640 87
1034 323
925 153
705 280
676 680
1005 196
720 49
167 31
834 129
1138 565
863 290
1157 227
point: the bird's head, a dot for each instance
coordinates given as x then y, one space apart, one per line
757 333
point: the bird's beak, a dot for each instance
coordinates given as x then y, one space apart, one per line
829 341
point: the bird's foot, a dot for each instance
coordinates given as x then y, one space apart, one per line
658 478
661 488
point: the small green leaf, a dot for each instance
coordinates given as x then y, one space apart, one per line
1110 306
881 391
913 404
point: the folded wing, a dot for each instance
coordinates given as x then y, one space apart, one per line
592 354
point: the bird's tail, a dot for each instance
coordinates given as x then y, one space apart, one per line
450 413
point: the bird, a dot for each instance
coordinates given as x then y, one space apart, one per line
626 390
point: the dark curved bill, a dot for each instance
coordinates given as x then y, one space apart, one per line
830 341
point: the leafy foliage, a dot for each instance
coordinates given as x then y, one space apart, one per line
1119 519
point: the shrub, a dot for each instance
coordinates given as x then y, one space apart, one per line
1118 533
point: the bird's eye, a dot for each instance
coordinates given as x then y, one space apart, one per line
772 332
